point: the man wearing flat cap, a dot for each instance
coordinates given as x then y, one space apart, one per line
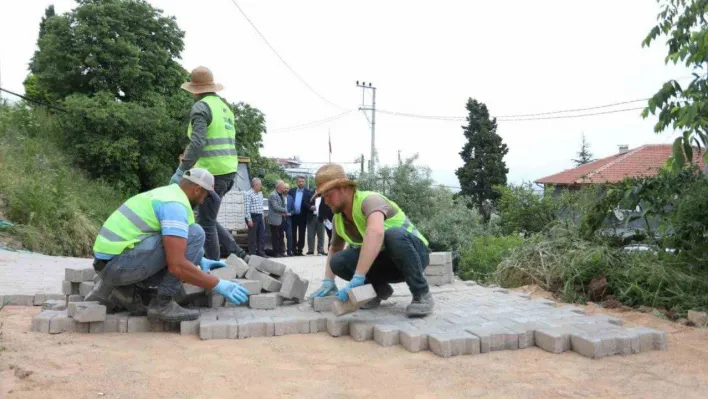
212 146
384 246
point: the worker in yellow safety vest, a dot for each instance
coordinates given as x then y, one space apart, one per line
152 240
384 247
212 146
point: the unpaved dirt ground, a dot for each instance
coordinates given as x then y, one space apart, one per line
34 365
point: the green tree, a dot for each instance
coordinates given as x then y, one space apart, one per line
683 108
584 155
483 157
250 127
522 210
268 171
123 47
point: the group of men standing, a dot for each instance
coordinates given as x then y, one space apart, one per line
293 214
156 241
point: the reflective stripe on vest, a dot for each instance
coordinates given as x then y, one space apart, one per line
219 155
135 220
399 220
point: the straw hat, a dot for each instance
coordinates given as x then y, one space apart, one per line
202 81
331 176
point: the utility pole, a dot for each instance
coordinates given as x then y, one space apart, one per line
362 164
364 87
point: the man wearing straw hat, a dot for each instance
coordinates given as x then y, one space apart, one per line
212 146
384 246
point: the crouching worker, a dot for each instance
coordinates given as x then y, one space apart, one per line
384 246
153 240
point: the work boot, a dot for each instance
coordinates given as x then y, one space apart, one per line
127 296
382 293
422 305
100 293
164 308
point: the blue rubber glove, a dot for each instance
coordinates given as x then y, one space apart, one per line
232 291
208 264
177 176
328 287
358 280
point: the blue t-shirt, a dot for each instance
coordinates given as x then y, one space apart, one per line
173 222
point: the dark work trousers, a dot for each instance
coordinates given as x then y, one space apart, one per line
299 225
276 239
404 258
206 217
256 235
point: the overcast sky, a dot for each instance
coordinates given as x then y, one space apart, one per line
425 57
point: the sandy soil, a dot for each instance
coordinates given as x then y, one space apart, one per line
34 365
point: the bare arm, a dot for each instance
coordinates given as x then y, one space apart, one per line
373 240
175 248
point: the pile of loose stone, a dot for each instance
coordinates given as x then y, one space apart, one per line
468 319
439 271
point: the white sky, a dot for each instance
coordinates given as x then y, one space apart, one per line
425 57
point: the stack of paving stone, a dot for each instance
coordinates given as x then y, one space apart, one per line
439 271
270 284
77 283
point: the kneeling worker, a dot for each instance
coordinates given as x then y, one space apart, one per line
384 246
153 239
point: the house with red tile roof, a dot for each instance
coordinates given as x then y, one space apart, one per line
644 161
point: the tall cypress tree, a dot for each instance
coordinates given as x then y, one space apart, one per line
483 157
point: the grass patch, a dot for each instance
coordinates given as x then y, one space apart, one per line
56 209
561 262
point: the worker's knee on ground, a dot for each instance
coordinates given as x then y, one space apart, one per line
195 235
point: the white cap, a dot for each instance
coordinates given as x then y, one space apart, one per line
202 178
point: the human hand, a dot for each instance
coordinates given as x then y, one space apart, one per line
232 291
358 280
208 264
328 287
177 176
250 223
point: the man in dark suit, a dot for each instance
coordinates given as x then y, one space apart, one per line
302 208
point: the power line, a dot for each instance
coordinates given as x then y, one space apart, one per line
311 124
36 101
573 110
283 61
570 116
519 119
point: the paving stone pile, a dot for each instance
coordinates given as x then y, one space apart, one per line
439 271
468 319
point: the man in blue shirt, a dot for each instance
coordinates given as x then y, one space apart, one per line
152 240
302 209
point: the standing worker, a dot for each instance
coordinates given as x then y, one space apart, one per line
152 240
212 146
384 246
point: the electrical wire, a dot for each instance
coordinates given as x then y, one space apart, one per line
311 124
283 61
570 116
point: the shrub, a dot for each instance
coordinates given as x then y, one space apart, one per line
523 210
481 256
450 225
562 262
55 208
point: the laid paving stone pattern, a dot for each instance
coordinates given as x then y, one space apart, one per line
469 319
